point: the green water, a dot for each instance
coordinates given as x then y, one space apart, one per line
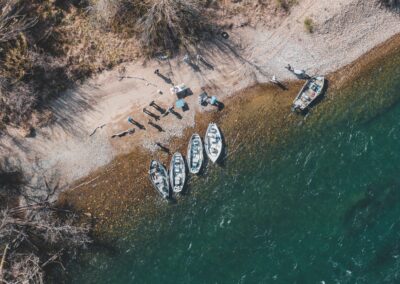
323 207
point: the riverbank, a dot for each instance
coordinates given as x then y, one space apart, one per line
117 194
324 191
343 31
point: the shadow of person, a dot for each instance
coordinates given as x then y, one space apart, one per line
165 78
195 67
282 86
137 124
163 148
156 117
157 107
156 126
220 106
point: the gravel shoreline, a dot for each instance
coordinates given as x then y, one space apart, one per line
343 31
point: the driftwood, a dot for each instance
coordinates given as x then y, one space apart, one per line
39 226
94 131
2 261
123 133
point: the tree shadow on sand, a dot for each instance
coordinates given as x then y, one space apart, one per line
392 5
67 108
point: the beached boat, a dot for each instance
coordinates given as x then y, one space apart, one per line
177 172
159 178
195 154
213 142
311 90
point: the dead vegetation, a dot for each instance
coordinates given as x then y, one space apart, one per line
36 235
48 46
253 12
12 23
116 15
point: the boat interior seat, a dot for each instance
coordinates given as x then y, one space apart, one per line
178 180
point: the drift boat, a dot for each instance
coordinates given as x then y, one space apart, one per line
159 178
213 142
195 154
311 90
177 172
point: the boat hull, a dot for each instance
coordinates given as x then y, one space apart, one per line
159 178
177 173
309 93
213 142
195 155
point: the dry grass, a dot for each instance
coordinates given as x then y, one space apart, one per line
12 23
116 15
158 25
46 48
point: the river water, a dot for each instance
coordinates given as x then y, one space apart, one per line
322 207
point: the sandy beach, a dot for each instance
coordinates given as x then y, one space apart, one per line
68 149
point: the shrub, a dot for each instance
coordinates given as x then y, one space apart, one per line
170 24
11 22
309 25
117 15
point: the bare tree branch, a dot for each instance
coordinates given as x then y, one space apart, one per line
2 261
11 21
37 233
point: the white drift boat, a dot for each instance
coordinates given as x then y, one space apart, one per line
177 172
195 154
159 178
311 90
213 142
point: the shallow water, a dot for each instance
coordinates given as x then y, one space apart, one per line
321 205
